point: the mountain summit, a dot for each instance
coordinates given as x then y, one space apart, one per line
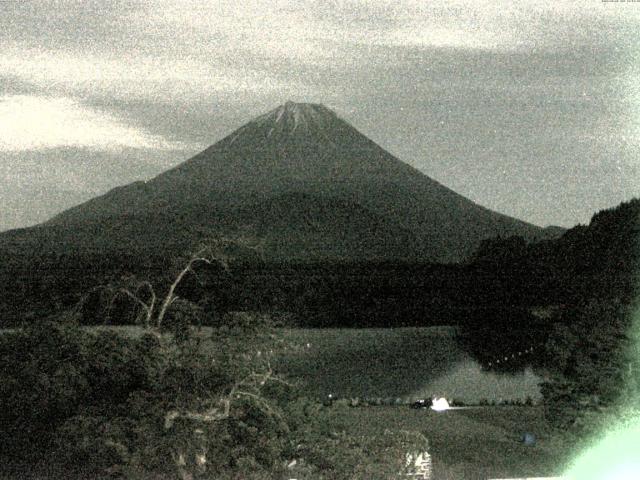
305 183
290 116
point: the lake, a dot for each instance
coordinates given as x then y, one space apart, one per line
407 363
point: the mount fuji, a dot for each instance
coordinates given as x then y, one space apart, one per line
302 181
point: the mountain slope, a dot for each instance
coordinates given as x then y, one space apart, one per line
360 199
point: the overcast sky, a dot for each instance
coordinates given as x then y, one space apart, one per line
529 108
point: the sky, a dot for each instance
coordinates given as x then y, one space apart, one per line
530 108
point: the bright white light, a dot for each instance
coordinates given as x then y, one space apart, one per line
440 404
34 122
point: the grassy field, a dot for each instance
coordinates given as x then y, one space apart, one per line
469 444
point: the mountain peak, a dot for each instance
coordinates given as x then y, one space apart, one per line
291 116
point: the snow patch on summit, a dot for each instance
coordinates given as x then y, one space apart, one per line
292 116
289 118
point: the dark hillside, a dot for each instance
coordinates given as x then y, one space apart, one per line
599 260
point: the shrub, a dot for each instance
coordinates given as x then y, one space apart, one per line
101 398
589 369
44 377
101 402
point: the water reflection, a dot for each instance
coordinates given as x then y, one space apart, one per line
400 363
468 382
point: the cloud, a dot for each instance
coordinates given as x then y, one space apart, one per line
194 50
273 33
269 30
492 25
156 77
30 122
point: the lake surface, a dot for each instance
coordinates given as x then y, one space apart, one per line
406 363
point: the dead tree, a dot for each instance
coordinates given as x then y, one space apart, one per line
155 311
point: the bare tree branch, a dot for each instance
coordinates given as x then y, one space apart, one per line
170 298
147 308
77 308
151 306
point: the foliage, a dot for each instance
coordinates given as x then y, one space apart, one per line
588 365
182 401
500 249
43 378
